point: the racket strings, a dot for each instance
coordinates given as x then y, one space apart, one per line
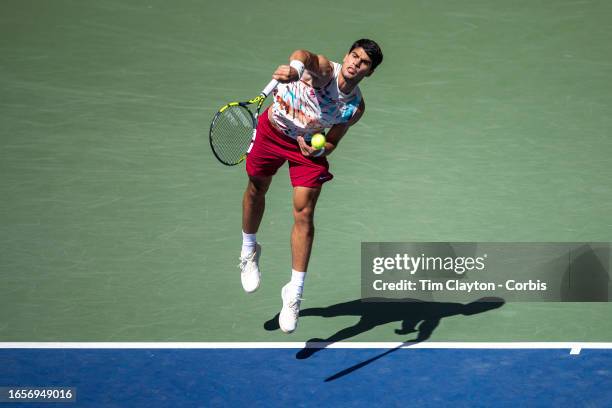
231 133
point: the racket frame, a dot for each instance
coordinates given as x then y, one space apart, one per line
258 102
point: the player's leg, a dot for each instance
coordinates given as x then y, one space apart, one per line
302 235
254 203
263 161
253 206
307 177
261 164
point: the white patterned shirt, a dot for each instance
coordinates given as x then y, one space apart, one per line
302 110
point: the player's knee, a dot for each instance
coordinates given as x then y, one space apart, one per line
304 216
257 187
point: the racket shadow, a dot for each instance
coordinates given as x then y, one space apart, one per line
349 370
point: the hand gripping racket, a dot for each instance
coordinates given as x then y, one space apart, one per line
233 128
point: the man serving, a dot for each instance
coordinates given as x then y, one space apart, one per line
314 94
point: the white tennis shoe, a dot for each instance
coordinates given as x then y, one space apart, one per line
249 270
288 317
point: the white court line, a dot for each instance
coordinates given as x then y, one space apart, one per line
575 351
574 347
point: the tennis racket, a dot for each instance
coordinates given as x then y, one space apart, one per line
232 130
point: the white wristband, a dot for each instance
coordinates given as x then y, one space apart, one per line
319 152
299 67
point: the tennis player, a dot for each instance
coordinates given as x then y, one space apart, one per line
314 94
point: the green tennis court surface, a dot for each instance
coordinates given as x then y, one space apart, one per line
487 121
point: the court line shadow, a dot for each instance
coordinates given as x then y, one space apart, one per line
378 311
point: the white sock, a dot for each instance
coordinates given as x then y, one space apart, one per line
297 280
248 244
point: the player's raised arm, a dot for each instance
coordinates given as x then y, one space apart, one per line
318 66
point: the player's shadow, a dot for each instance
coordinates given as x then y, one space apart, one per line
374 312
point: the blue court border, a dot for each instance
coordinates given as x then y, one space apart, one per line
275 377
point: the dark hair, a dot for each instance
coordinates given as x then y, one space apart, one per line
371 48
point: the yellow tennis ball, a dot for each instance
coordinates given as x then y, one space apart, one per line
317 141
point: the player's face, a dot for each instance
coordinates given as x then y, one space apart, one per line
356 65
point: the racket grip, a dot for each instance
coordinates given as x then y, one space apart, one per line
269 88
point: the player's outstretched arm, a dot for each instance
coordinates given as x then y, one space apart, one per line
319 67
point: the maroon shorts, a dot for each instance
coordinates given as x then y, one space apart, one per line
272 148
